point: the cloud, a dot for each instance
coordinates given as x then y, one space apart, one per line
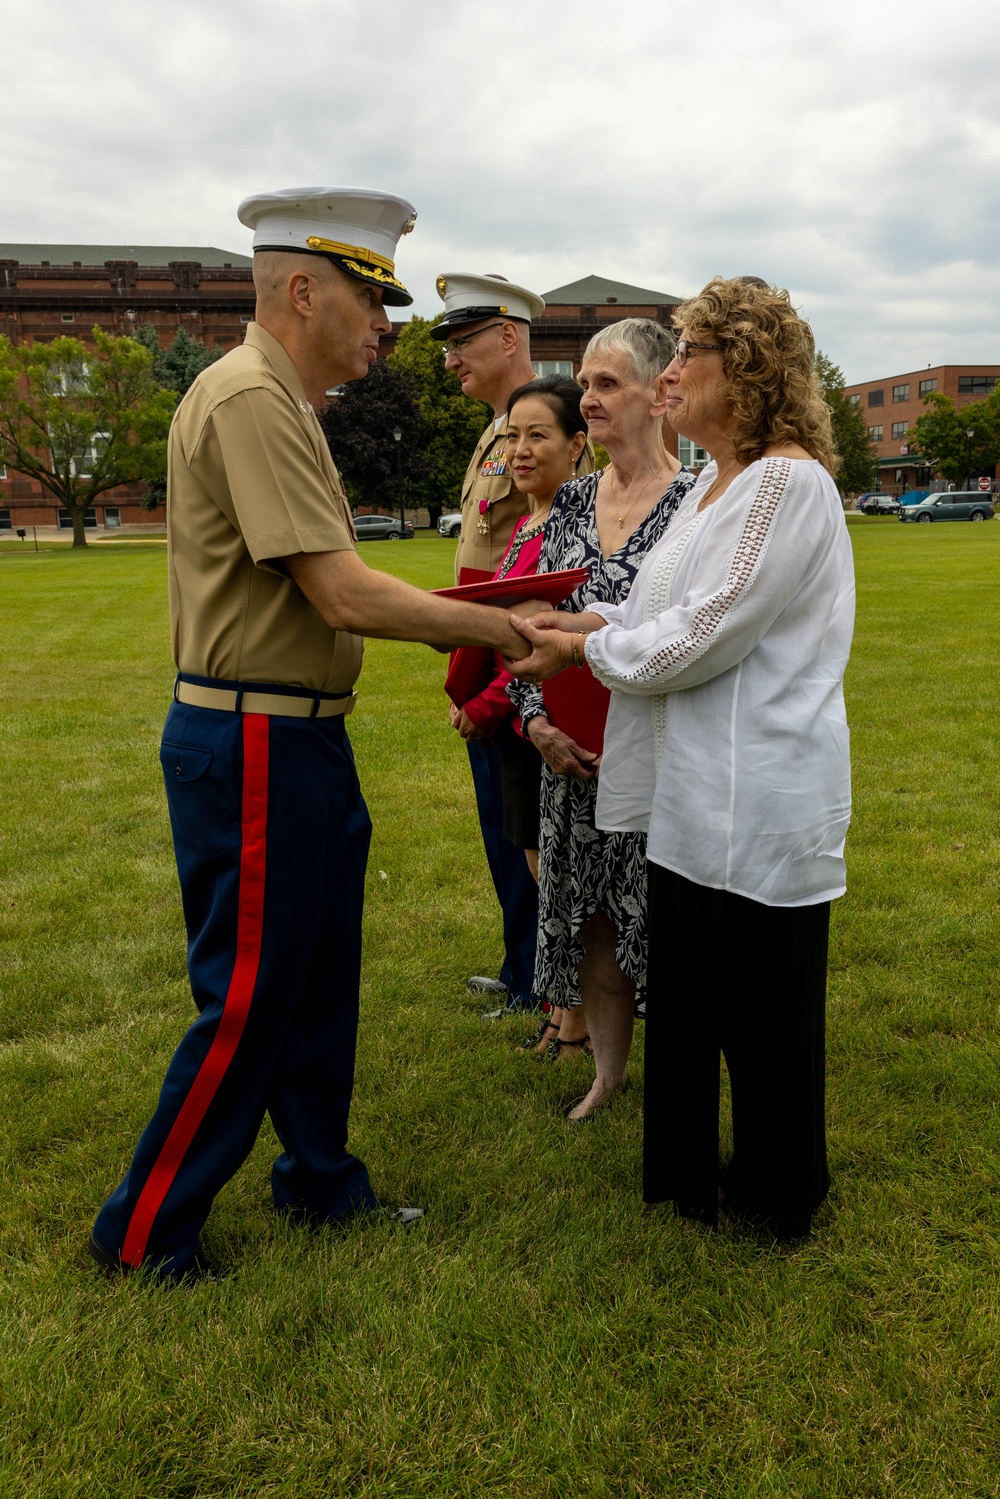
850 154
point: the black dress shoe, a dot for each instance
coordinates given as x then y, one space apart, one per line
111 1264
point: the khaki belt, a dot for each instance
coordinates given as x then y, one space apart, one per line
275 703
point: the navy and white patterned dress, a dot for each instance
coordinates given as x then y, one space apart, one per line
582 870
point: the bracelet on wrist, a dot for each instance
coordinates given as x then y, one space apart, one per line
578 649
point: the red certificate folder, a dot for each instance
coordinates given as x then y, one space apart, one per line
577 703
509 592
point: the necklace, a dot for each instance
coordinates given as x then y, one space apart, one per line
537 521
705 499
623 515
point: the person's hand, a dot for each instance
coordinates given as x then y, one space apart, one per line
454 714
551 648
560 619
467 728
563 754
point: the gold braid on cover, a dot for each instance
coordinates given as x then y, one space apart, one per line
357 252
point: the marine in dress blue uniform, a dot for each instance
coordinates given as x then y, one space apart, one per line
270 828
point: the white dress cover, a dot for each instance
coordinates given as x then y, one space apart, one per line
727 739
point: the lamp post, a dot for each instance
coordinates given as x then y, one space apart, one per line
397 433
970 433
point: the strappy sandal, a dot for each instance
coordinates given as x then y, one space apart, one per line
554 1048
533 1042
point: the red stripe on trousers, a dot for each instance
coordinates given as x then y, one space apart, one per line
249 932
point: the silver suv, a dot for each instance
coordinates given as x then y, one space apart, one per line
961 504
450 525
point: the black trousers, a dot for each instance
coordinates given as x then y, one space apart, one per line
732 977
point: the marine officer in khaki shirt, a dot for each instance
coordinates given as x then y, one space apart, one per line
268 601
486 333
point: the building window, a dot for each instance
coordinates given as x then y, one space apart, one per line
112 518
900 392
899 429
876 398
976 385
689 454
4 520
246 317
926 386
875 434
67 317
854 400
544 367
65 520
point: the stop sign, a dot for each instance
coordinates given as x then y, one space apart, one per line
984 483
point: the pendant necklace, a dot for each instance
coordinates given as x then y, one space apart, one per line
623 515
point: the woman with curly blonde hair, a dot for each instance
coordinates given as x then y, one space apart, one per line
727 744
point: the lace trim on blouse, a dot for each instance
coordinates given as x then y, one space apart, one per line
665 661
657 600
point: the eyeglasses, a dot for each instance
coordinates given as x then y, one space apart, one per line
684 347
454 345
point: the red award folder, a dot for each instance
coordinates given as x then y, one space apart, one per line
553 588
577 703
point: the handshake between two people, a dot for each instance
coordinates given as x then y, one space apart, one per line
553 639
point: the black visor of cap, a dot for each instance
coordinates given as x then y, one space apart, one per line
394 293
465 315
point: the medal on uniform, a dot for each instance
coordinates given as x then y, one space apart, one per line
483 524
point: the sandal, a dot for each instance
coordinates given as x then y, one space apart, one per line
554 1048
533 1042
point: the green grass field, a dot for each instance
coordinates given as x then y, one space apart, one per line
541 1334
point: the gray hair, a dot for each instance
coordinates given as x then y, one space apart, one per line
648 346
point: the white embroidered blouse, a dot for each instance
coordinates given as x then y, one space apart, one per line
727 738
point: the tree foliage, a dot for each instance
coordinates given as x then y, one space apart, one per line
359 423
452 423
858 454
82 421
940 436
178 366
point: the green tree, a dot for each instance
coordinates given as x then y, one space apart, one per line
82 421
940 436
359 427
857 453
453 423
177 367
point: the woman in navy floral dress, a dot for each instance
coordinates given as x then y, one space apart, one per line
592 885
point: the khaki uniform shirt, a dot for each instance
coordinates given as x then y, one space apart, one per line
250 480
492 504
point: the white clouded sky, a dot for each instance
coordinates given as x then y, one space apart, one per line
850 152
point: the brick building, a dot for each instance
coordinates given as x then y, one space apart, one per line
50 290
893 404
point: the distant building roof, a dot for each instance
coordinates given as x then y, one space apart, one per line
96 255
594 289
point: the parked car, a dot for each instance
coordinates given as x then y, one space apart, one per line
862 499
879 504
450 525
382 528
961 504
